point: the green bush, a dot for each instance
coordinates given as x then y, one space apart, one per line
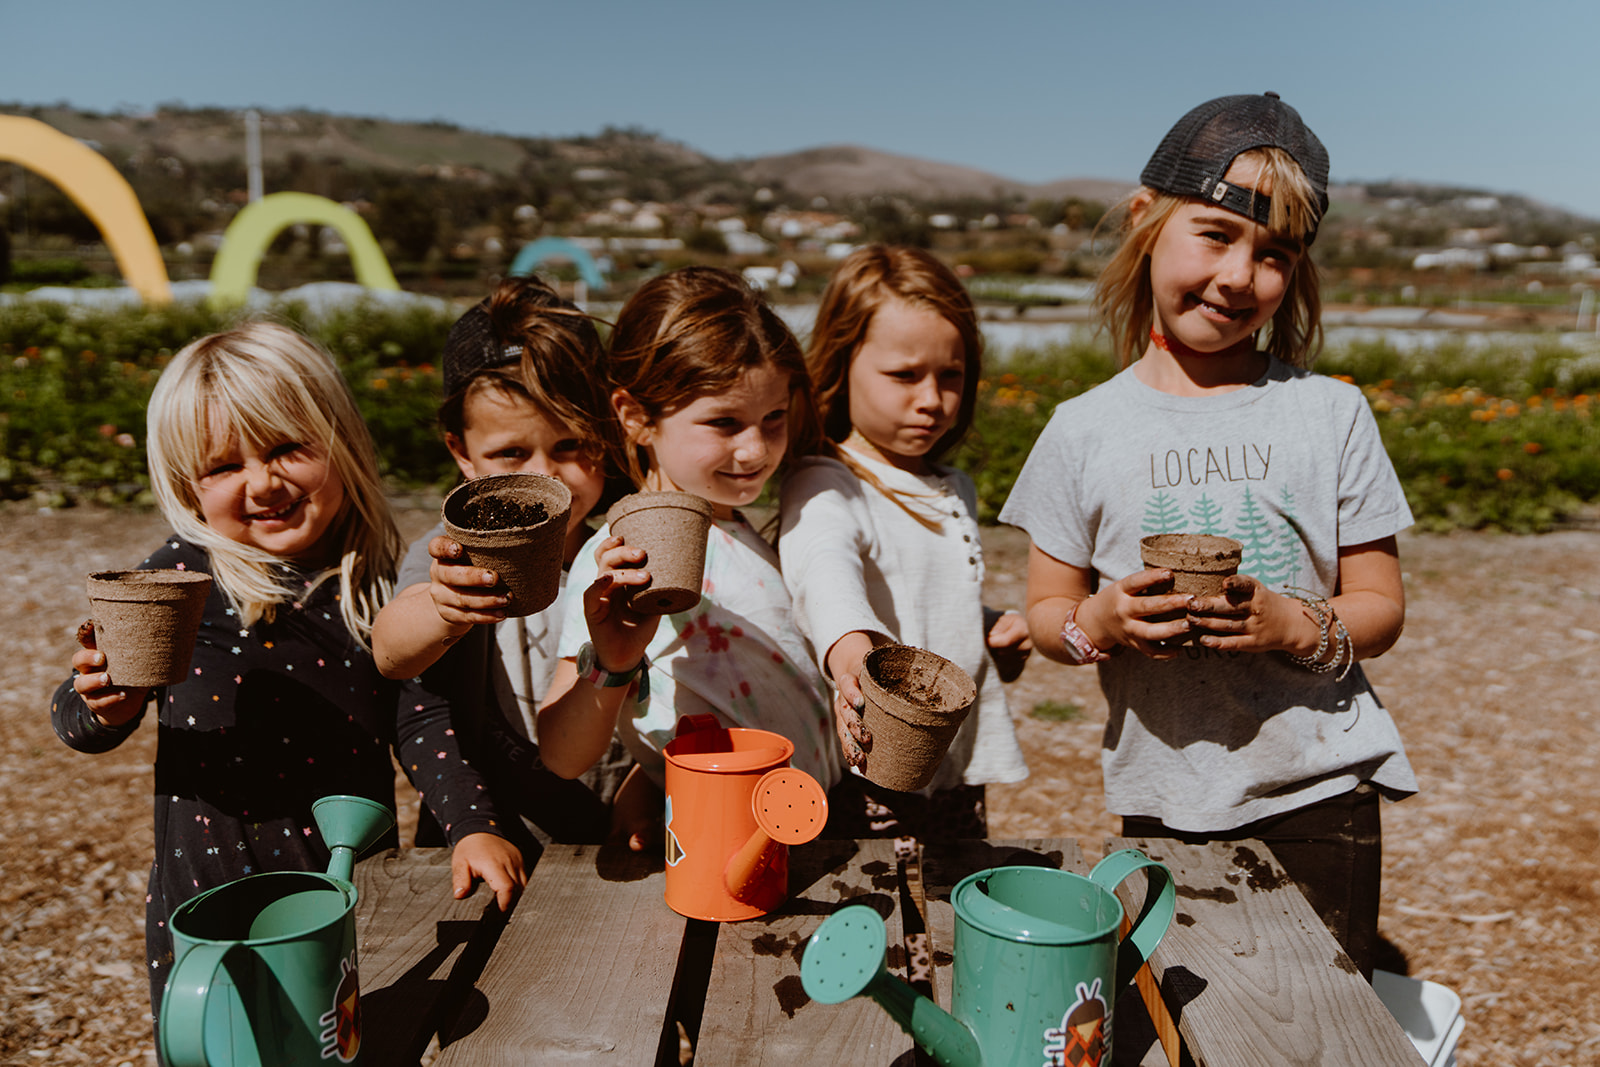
1500 436
74 383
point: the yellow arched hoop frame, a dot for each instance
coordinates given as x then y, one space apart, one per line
95 186
233 272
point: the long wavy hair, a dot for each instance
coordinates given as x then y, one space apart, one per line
865 281
266 384
1127 304
696 331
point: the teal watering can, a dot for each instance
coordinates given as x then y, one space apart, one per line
1038 964
264 968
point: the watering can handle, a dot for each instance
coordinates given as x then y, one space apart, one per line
689 724
183 1006
1160 903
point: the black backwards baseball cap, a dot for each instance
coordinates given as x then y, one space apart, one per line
471 347
1196 153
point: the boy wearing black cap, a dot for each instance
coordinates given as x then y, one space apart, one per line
525 390
1244 715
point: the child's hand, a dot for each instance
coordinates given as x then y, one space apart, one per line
1119 615
637 812
1249 617
620 635
845 661
494 860
112 704
1009 645
460 592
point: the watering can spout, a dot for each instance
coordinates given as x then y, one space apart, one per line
845 958
349 826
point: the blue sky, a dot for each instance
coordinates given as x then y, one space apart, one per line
1501 96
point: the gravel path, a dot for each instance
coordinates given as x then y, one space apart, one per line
1490 872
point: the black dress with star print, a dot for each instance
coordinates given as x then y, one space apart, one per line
271 718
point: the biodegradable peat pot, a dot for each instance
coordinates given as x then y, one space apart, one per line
146 621
1199 562
915 703
671 527
516 526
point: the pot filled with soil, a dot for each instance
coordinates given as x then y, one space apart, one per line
516 526
915 701
1199 562
671 527
146 621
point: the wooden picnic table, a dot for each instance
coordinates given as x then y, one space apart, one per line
591 966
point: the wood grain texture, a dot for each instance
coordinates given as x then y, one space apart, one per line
1249 972
757 1012
584 970
418 949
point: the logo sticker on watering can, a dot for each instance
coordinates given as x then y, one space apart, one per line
733 808
1038 964
341 1038
674 846
1080 1040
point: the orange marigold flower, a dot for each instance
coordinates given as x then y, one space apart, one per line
1532 448
1505 474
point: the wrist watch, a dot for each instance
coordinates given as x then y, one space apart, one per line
589 670
1076 643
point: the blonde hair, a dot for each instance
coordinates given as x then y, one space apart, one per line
1127 305
696 331
267 383
866 280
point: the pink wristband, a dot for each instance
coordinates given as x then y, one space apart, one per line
1076 643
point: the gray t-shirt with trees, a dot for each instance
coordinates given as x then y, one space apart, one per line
1292 467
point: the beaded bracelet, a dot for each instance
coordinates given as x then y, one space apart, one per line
1328 623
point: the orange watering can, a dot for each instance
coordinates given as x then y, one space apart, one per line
733 809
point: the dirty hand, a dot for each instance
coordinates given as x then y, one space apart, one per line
464 595
1248 617
494 860
620 635
113 705
1150 624
846 660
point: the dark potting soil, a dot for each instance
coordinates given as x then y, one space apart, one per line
499 513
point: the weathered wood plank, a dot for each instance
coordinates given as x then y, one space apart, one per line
418 949
1251 974
756 1011
583 972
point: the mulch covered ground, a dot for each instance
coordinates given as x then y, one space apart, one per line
1490 872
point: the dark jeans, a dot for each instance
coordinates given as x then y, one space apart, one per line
1332 849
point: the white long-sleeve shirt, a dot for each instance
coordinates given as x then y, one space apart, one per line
853 559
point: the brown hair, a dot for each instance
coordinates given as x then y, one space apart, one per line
695 331
524 340
867 279
1127 305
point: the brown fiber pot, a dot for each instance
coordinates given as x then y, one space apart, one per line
1199 562
671 527
915 703
516 526
146 621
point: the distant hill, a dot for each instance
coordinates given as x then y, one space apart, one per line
852 170
310 148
